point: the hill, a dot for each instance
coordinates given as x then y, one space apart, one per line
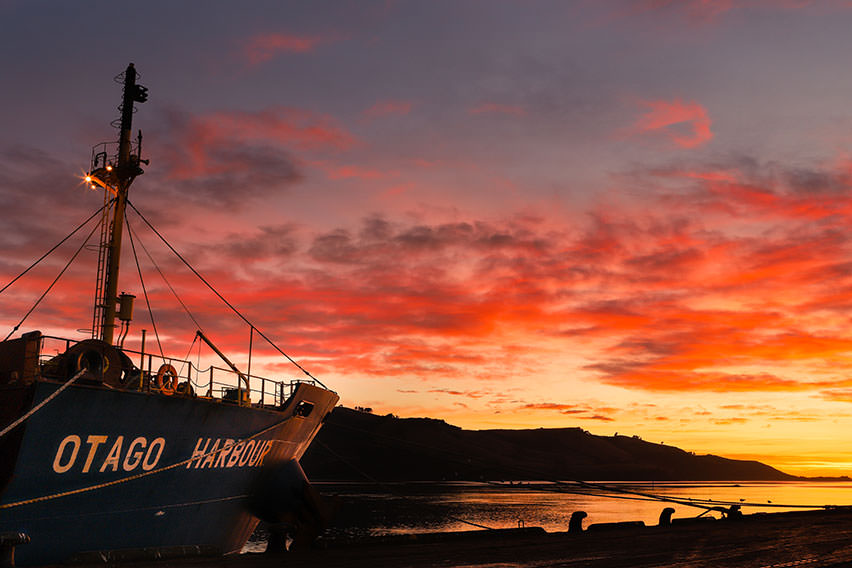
355 445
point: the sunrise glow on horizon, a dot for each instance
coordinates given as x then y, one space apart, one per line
627 216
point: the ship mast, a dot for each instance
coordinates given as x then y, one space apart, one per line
116 177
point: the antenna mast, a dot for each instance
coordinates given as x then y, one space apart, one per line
116 175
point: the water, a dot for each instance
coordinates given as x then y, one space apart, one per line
395 508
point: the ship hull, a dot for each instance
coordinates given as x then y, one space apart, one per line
102 473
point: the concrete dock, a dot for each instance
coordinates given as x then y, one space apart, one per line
813 539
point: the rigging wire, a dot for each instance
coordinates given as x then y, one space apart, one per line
166 280
144 289
379 483
222 298
59 244
579 487
52 284
186 362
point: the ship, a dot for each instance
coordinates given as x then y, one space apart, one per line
109 453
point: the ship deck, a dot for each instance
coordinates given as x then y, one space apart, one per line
812 539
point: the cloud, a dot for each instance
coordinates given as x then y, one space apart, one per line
728 277
263 47
696 10
686 124
388 108
230 156
704 12
466 394
497 108
358 172
577 411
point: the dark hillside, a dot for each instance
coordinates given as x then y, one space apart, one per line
357 446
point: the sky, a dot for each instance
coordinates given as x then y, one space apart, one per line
628 216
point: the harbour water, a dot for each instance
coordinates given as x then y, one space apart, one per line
363 510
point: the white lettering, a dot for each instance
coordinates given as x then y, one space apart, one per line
58 466
151 461
247 452
235 454
197 453
114 455
94 442
211 455
223 454
134 457
256 454
266 447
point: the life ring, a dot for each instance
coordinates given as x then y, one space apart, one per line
167 379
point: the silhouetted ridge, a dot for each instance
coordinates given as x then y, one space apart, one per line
355 445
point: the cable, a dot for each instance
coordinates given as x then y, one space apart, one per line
578 486
166 280
379 483
140 475
144 289
186 362
52 284
37 407
226 302
59 244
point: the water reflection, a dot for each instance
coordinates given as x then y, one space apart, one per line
369 510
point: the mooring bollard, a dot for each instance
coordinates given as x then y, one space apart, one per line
575 525
666 517
8 542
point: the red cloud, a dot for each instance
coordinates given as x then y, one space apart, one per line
708 11
496 108
384 108
218 151
357 172
685 124
730 279
264 47
699 10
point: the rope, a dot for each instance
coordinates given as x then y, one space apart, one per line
166 280
226 302
186 362
37 407
52 284
77 515
59 244
133 477
580 487
380 484
144 289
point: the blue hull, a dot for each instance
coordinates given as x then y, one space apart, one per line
105 473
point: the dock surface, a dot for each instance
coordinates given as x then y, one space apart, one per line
811 539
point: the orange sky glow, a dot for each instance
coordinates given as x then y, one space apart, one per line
626 216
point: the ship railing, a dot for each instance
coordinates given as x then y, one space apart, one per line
211 382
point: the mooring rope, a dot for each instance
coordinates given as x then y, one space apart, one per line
38 407
377 482
579 487
138 475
